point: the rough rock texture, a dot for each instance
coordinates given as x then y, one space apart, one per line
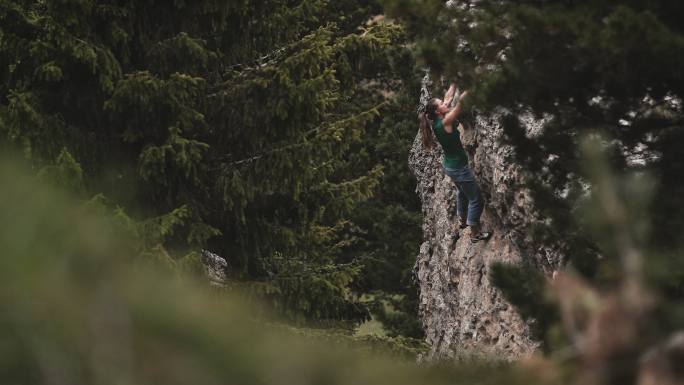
463 314
215 267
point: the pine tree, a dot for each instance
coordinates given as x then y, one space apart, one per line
208 123
390 222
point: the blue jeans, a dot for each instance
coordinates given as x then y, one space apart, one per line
469 203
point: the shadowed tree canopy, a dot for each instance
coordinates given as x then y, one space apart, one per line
226 124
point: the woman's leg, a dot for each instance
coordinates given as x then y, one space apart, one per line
462 206
469 202
475 207
475 204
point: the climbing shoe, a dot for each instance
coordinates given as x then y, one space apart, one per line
481 236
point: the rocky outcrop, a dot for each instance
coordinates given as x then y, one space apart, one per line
463 314
216 268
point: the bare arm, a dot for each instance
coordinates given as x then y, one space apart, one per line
453 114
449 96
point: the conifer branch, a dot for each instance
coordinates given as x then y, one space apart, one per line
321 128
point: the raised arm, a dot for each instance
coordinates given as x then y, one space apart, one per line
451 116
449 96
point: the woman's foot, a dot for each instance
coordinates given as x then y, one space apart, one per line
477 234
481 236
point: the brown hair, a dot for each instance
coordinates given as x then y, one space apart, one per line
425 118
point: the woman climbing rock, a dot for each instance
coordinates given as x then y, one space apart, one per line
443 121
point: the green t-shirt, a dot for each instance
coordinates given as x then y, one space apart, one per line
454 155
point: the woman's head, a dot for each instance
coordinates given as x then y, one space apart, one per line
434 108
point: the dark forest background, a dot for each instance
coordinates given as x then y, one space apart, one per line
273 133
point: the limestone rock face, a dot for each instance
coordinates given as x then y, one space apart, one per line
463 314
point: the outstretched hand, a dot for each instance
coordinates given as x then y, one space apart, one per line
449 95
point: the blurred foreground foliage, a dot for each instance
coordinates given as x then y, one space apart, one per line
622 328
79 305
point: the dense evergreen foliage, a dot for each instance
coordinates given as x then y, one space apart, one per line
248 127
390 220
